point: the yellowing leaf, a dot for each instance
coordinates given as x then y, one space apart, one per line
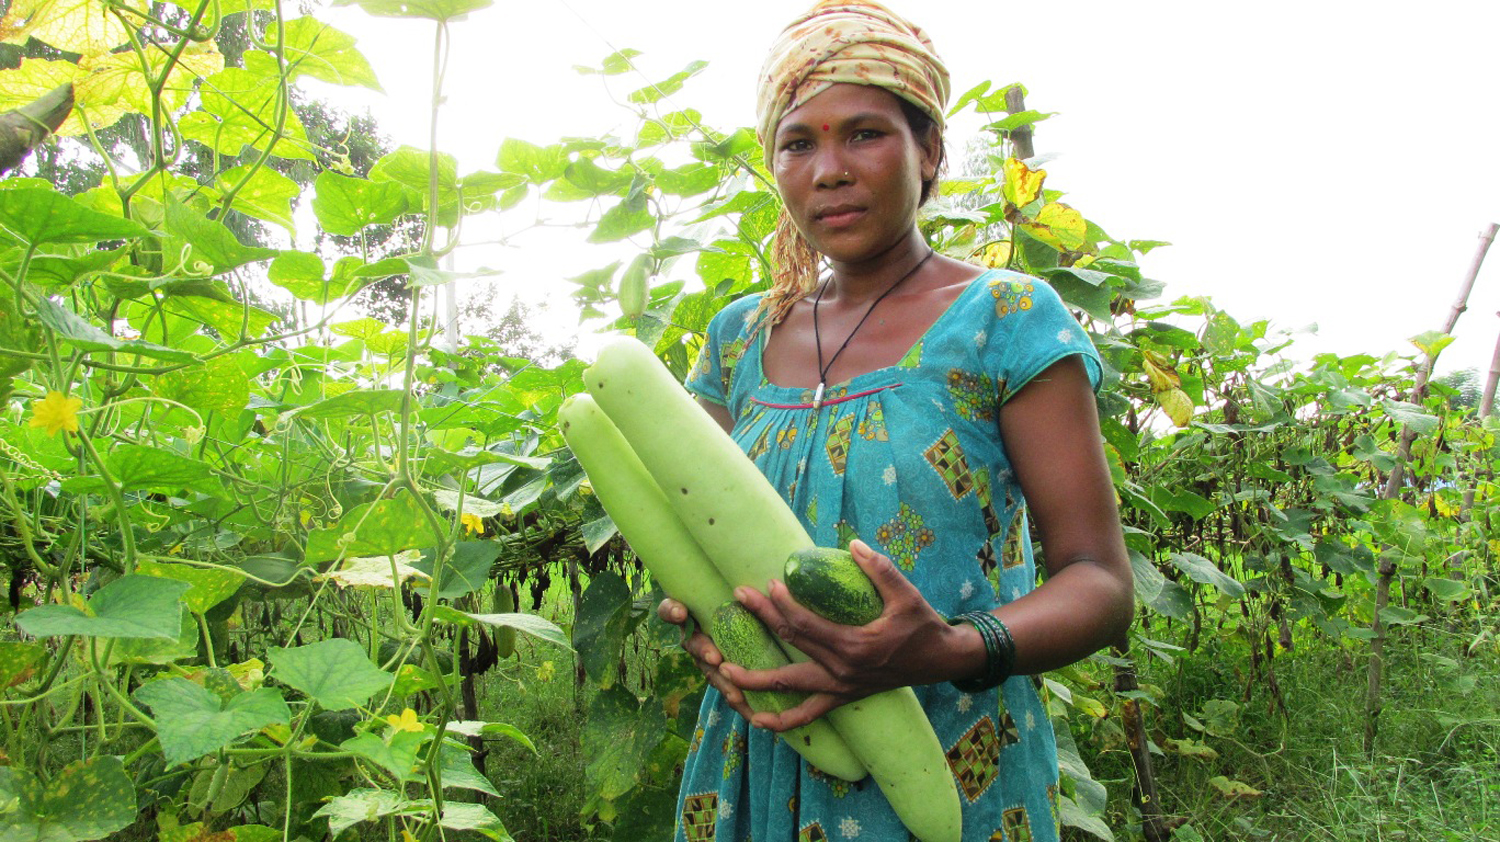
75 26
1159 372
1059 226
35 77
1233 789
118 80
313 48
996 255
376 572
1177 405
1190 748
1022 184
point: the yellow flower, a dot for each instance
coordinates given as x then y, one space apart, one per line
546 671
405 721
406 836
56 412
473 524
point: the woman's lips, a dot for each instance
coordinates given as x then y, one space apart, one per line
839 217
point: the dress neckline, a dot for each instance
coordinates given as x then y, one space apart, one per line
873 374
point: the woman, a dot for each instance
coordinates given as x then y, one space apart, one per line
919 410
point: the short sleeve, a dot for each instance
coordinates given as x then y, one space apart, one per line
712 376
1034 329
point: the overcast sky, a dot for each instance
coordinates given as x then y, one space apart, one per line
1311 162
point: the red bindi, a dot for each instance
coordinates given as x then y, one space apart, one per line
825 127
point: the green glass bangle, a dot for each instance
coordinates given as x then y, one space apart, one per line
999 651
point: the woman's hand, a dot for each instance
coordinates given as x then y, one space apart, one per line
705 654
909 643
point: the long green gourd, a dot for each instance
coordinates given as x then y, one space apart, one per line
679 565
748 531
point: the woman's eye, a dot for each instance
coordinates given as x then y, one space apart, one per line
866 134
798 145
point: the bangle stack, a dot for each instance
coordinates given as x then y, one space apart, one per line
999 650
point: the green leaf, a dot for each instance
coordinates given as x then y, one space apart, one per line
1205 572
130 607
218 384
192 721
619 735
384 527
397 754
240 108
211 242
360 805
88 799
137 467
631 216
537 164
268 194
358 402
1447 590
334 673
56 272
444 10
1410 415
531 624
345 205
668 86
313 48
459 772
207 586
601 625
464 816
37 216
86 337
467 571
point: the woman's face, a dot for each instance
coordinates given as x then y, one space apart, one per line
850 171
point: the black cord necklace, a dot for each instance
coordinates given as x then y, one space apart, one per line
818 337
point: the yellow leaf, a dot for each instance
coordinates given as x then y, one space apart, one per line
37 76
75 26
546 671
1159 372
56 412
376 571
1022 184
117 79
1059 226
996 255
1233 789
1177 405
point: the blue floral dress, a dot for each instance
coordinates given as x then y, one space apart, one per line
909 459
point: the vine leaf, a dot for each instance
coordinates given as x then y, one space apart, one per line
444 10
397 754
86 337
361 402
360 805
219 384
89 799
37 215
18 660
211 242
603 621
1205 572
267 195
619 735
334 673
192 721
129 607
381 528
531 624
467 571
313 48
209 586
344 205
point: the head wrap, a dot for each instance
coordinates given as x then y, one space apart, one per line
858 42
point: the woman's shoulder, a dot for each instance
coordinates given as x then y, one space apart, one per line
737 317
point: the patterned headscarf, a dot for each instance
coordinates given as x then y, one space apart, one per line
837 41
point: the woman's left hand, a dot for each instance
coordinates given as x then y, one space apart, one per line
909 643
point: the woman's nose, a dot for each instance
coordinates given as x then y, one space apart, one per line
831 168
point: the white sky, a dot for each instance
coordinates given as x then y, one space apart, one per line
1311 162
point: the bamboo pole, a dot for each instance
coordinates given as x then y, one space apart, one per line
1392 490
1486 406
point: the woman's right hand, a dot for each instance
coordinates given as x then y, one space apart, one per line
705 654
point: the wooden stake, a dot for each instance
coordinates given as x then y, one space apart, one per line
1392 490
